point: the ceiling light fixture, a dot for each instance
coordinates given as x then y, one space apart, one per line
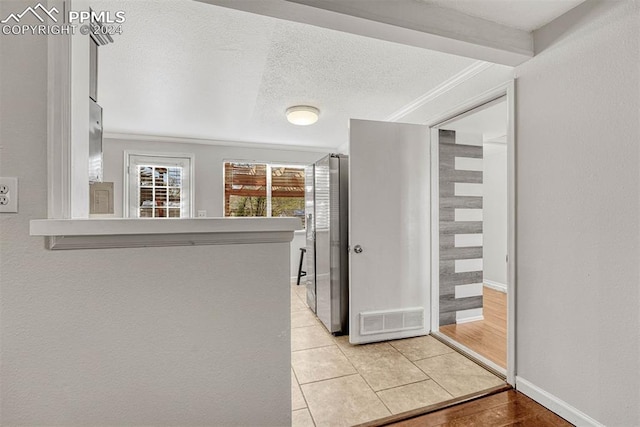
302 115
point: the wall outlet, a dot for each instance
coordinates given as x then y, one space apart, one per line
202 214
8 195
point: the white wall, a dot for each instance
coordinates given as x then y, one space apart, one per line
209 166
578 236
126 336
494 205
208 171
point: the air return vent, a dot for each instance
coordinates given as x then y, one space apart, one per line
377 322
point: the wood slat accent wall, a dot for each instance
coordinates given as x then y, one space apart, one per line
449 227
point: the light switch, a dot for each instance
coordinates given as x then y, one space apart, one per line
8 195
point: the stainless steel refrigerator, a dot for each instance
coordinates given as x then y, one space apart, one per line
327 214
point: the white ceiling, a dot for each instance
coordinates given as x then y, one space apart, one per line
192 70
528 15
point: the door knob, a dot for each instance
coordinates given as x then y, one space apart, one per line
357 249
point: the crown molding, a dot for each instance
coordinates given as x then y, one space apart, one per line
203 141
464 75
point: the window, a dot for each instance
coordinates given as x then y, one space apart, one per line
263 189
159 186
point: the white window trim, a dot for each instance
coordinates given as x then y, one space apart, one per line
127 185
269 165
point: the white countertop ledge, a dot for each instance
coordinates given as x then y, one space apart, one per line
128 232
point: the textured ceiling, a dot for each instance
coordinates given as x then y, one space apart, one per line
189 69
528 15
192 70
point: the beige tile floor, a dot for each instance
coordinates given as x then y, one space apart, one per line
334 383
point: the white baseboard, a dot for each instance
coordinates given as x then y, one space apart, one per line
495 285
470 319
555 404
469 315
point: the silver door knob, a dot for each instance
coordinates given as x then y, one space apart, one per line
357 249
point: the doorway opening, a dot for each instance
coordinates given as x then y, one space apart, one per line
387 374
472 234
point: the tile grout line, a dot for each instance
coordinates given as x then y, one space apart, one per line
311 348
352 365
313 420
298 327
304 409
320 346
329 379
346 357
410 361
364 379
382 401
295 376
455 352
332 378
294 372
421 370
431 357
403 385
415 382
433 379
441 386
308 310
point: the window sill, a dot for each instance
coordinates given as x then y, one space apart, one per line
137 233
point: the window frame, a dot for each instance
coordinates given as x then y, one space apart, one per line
132 158
269 166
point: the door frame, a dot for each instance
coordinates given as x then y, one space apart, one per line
507 90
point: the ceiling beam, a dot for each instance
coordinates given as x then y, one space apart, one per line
408 22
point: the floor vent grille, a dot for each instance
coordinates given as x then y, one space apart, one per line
376 322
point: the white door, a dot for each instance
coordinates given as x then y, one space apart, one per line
389 230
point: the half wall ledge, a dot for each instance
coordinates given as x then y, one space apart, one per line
63 234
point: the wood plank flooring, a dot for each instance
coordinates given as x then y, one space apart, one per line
503 409
489 336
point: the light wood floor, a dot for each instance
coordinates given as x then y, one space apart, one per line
489 336
502 409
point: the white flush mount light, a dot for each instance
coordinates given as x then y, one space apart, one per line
302 115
